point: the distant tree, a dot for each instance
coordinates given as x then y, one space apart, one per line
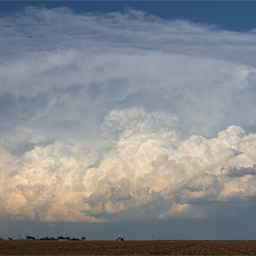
83 238
74 239
30 238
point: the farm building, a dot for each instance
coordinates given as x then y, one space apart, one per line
8 238
120 238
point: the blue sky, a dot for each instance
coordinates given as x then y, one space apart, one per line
130 116
230 15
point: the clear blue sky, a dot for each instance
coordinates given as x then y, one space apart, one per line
230 15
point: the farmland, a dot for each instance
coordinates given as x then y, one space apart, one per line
16 247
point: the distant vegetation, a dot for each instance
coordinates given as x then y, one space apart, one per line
53 238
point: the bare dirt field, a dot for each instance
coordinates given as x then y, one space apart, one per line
127 248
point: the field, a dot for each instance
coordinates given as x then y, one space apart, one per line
127 248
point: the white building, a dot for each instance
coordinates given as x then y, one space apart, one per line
120 238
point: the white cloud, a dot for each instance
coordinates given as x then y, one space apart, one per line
123 115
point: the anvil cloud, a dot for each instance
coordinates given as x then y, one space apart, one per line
123 116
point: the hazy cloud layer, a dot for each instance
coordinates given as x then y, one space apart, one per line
123 115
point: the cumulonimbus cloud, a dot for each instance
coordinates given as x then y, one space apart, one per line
123 115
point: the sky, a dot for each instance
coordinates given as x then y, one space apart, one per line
133 118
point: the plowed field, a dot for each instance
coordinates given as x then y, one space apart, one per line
127 248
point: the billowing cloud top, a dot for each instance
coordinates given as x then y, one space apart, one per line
123 115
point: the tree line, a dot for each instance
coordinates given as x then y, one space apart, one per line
58 238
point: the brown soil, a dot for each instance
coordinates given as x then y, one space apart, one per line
127 248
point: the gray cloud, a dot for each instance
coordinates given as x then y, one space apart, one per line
240 172
123 115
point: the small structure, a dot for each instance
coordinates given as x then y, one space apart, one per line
120 238
8 238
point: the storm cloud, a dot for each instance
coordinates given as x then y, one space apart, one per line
123 116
